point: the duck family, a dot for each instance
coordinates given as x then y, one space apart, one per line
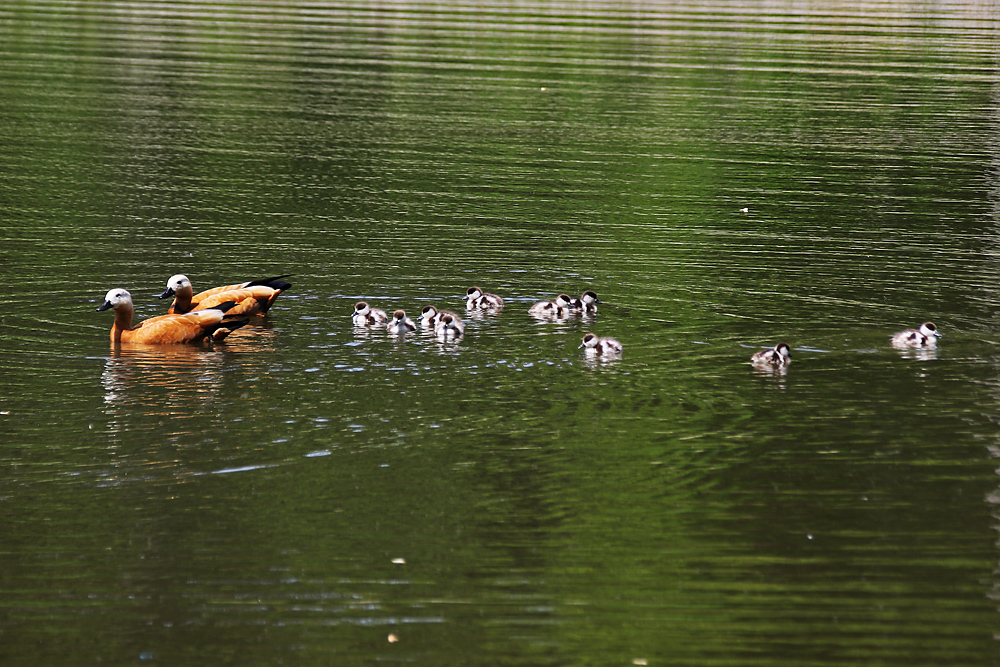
215 313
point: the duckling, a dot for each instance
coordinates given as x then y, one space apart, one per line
431 316
558 308
254 297
400 323
365 315
925 336
449 326
587 303
778 356
477 299
193 327
600 346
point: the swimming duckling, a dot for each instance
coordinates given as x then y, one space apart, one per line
587 303
431 316
193 327
400 323
365 315
477 299
449 326
600 346
925 336
558 308
778 356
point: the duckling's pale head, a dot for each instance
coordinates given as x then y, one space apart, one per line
590 296
116 298
590 340
428 312
473 293
930 329
361 308
564 301
783 350
399 315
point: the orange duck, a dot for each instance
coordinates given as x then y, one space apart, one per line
191 327
252 298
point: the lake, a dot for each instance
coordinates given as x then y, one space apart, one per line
724 175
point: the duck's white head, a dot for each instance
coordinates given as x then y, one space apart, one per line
176 284
361 308
564 301
428 312
473 293
590 296
783 350
589 341
929 329
116 298
399 315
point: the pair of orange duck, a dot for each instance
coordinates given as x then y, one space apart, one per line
193 318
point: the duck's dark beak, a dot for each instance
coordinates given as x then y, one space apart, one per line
167 292
104 306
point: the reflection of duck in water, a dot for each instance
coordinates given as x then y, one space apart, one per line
560 307
169 376
365 315
778 357
477 299
925 336
193 327
595 345
254 297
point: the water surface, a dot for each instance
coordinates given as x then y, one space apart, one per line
724 176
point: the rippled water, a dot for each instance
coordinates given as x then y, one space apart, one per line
724 175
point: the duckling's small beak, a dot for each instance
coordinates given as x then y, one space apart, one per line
104 306
167 292
598 301
938 334
581 345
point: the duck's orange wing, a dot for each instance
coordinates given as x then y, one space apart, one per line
249 300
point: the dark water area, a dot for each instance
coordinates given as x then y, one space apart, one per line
724 175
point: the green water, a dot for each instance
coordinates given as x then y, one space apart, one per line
724 176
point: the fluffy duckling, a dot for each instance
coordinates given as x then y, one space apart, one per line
558 308
365 315
592 344
477 299
400 323
431 316
777 357
925 336
254 297
449 326
193 327
587 303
